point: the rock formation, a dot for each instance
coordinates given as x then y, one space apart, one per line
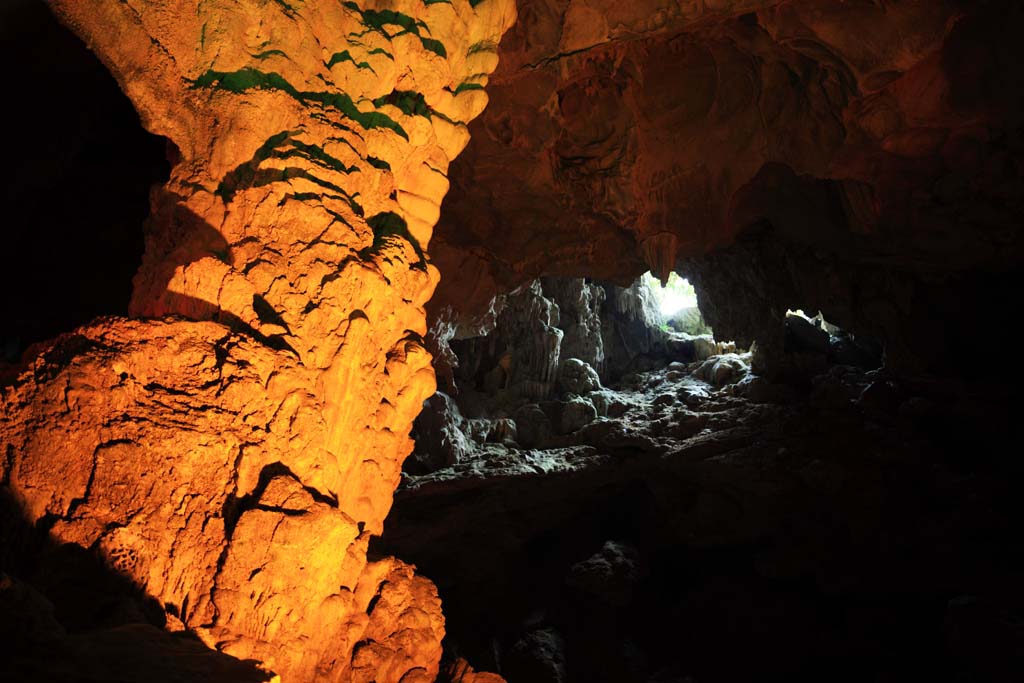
650 528
232 449
861 158
594 497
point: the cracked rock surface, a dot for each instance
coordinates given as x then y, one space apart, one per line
230 451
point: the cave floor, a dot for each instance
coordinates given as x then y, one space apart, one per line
854 528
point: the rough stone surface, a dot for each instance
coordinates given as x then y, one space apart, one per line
538 656
520 353
578 377
576 413
461 672
532 425
737 522
440 439
631 328
857 158
216 518
580 303
609 575
724 369
232 462
519 349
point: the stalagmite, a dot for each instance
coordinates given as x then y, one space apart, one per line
233 448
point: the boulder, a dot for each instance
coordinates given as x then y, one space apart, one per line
533 427
577 377
484 430
609 576
440 441
577 412
722 370
802 334
537 657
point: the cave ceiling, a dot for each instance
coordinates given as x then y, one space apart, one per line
622 137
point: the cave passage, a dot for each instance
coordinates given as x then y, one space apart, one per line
601 496
550 362
675 295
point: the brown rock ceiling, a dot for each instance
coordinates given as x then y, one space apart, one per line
884 137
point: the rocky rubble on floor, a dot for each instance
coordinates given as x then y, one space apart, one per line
653 412
688 521
564 367
644 517
648 412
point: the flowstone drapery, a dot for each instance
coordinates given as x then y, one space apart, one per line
233 448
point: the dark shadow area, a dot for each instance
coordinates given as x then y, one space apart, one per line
600 498
68 616
816 540
75 184
928 321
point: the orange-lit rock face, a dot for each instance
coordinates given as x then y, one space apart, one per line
236 476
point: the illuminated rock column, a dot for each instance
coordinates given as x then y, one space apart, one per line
236 468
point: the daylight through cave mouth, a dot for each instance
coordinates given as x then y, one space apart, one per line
572 470
675 295
552 358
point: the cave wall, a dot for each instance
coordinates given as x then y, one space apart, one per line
231 449
880 143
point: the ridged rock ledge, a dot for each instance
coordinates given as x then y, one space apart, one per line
232 448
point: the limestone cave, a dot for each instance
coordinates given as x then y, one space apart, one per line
512 341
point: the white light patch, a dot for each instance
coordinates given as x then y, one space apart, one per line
673 297
675 301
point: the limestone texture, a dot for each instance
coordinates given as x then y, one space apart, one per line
204 480
859 158
857 520
231 449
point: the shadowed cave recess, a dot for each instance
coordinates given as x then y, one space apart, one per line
808 471
77 190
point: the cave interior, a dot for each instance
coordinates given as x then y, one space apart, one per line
803 469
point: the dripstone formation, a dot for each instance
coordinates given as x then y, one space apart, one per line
231 450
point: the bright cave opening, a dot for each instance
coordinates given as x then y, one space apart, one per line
674 295
561 448
677 303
